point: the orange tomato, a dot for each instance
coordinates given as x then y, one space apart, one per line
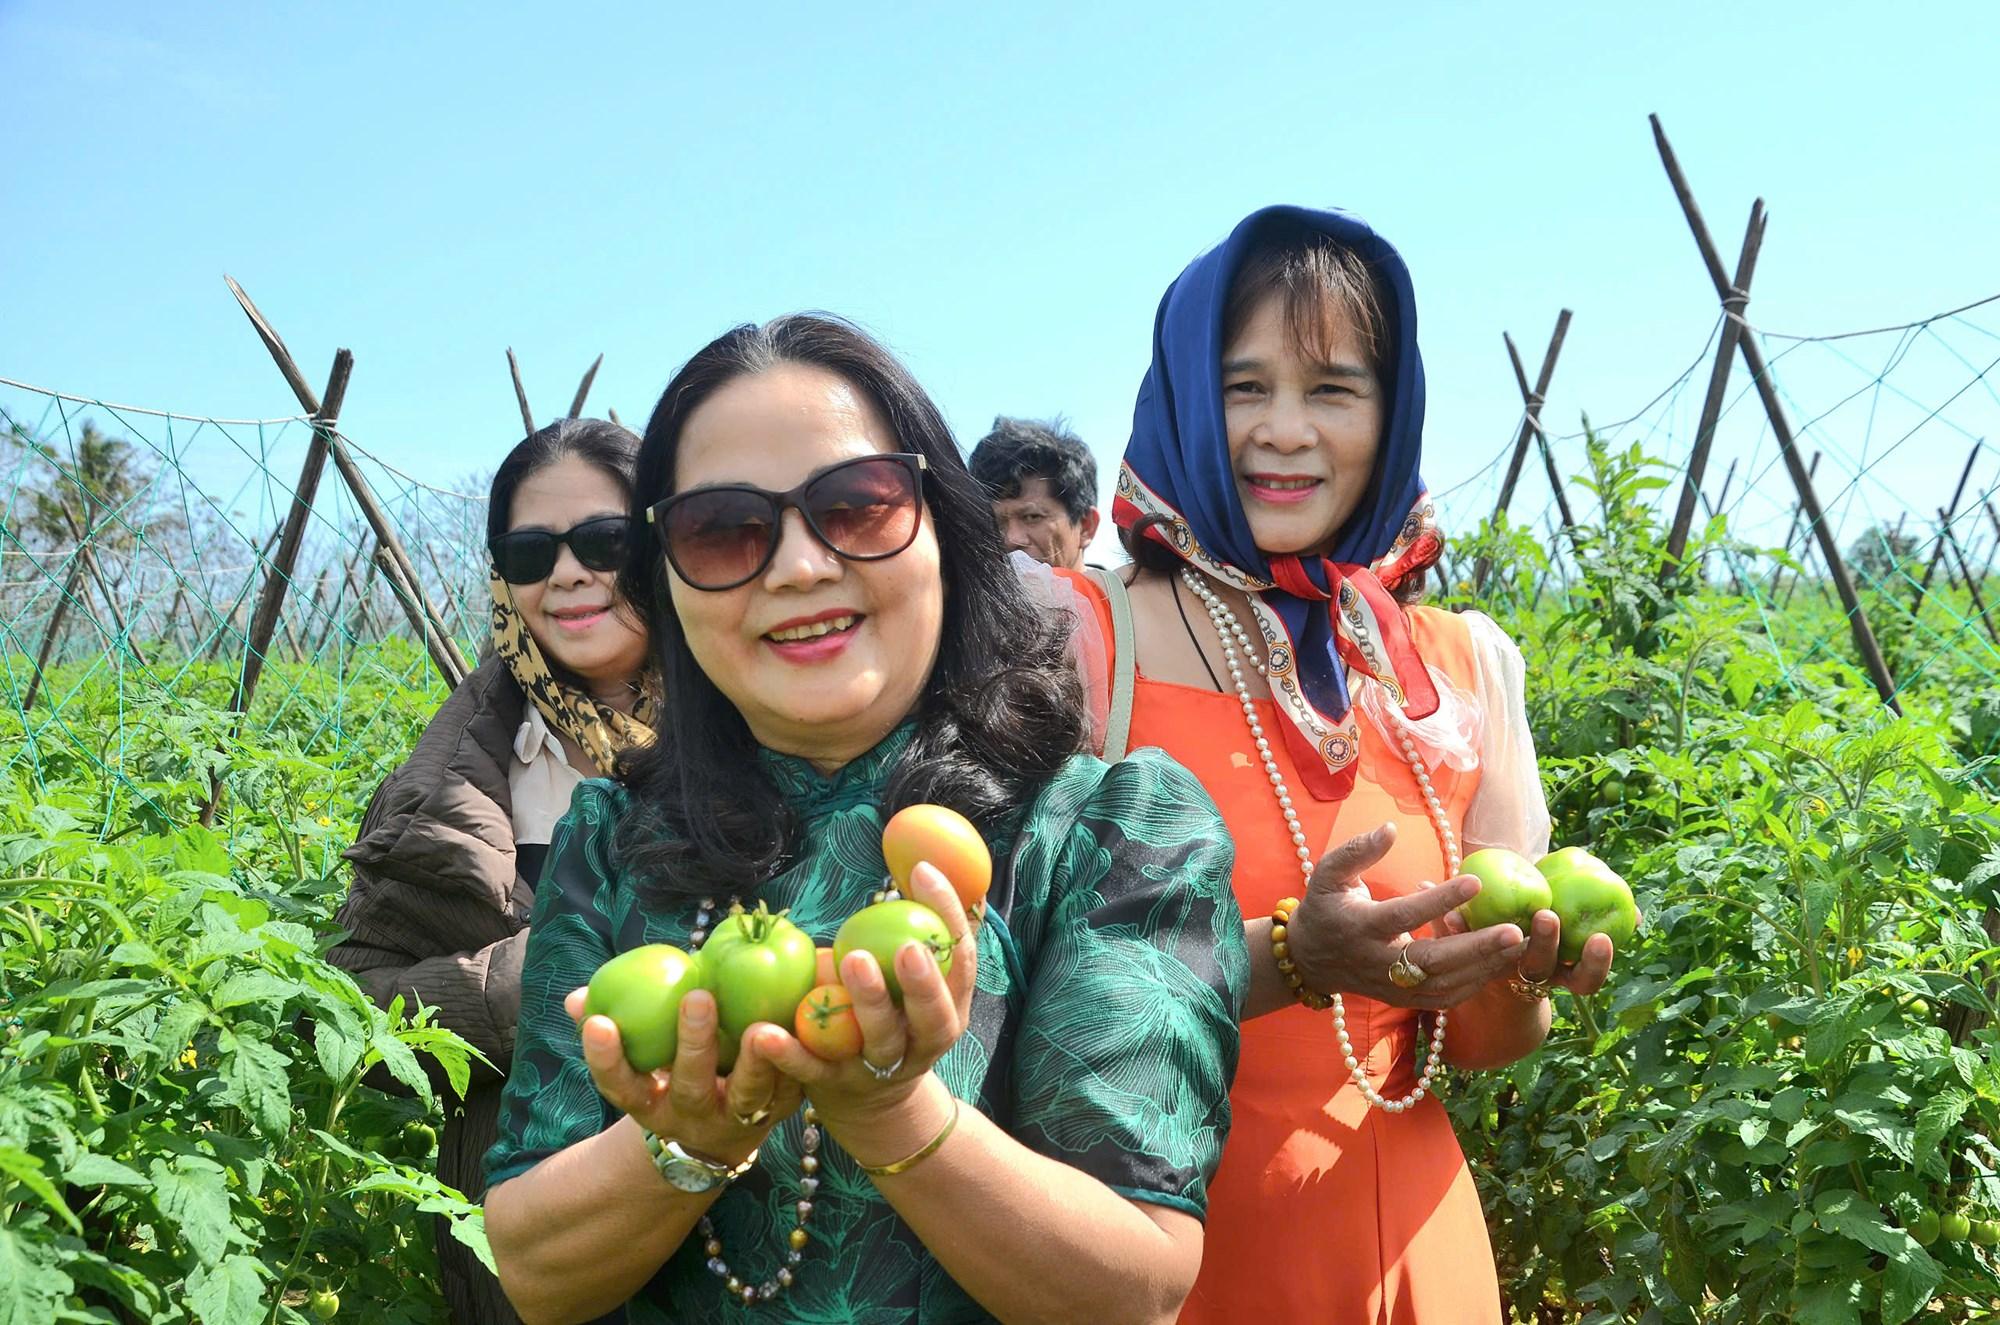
947 840
826 1025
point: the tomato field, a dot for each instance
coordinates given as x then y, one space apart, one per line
1778 1110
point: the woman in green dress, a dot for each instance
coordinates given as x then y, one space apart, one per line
1031 1134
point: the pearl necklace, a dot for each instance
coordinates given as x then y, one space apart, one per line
1235 650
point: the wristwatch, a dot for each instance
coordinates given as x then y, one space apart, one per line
692 1173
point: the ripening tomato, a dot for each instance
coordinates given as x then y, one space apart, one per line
883 929
826 1024
762 967
947 840
641 991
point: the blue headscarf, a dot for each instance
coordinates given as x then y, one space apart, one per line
1177 468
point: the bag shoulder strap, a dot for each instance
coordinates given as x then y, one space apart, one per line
1124 664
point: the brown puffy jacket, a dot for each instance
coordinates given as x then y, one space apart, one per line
439 913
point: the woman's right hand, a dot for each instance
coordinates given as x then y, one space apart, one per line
718 1117
1344 941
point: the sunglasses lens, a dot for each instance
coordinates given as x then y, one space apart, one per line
865 510
718 539
602 544
524 557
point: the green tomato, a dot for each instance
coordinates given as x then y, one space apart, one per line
1986 1233
419 1139
1589 898
641 991
1925 1228
1511 889
883 929
765 965
325 1303
1954 1227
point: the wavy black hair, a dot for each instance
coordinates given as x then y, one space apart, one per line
1018 449
1001 711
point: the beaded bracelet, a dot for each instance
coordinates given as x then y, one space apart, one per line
905 1165
1281 948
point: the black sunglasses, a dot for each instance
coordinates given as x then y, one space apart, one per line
723 536
526 556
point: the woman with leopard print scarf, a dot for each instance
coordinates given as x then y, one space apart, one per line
453 841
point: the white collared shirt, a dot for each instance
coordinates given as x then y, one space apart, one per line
540 779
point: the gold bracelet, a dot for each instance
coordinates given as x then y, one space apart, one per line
1281 949
905 1165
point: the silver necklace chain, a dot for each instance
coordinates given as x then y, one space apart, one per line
1237 652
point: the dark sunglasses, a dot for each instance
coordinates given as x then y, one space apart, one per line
723 536
526 556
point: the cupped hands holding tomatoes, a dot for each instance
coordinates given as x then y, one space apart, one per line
855 1028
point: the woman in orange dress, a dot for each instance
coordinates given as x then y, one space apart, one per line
1358 746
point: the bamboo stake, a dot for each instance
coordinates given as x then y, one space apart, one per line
1937 549
520 393
1753 359
1791 534
1978 601
1534 408
423 617
1528 425
72 583
278 579
583 388
1733 303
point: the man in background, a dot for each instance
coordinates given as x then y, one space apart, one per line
1044 485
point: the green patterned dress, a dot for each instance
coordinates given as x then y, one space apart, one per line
1103 1028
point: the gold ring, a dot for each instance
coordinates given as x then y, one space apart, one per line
755 1118
1404 973
1529 991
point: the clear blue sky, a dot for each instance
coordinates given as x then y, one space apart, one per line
1001 192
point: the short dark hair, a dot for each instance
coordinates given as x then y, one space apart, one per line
1027 448
1002 709
597 442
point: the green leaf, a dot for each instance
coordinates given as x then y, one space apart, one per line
1907 1284
94 1170
402 1065
31 1288
193 1194
253 1079
1939 1115
253 987
338 1047
26 1169
231 1293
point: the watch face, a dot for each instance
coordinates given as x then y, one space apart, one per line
688 1175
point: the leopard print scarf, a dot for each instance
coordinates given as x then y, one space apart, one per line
602 731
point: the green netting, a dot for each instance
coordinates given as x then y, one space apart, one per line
1892 419
134 543
133 546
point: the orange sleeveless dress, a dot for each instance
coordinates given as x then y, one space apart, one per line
1325 1210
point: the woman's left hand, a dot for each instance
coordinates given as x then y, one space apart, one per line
936 1008
1541 966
